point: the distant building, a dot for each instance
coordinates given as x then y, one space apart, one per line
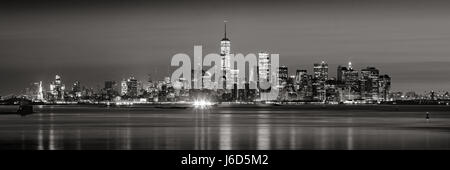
123 88
129 87
340 73
110 90
369 83
57 89
283 76
349 78
332 93
225 51
36 92
320 76
321 71
305 91
384 84
76 90
298 78
263 66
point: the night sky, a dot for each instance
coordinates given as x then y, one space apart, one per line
94 41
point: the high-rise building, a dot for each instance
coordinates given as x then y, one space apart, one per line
263 66
348 80
132 84
321 71
123 88
384 82
320 76
298 78
305 90
57 89
235 76
129 87
225 44
369 83
40 92
76 89
349 76
36 92
340 73
225 50
110 89
283 76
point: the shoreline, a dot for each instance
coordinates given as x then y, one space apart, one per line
292 107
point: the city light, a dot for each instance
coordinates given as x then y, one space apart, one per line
202 104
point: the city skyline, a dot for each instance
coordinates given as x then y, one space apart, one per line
408 40
225 52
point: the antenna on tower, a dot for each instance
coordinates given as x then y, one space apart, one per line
350 63
225 25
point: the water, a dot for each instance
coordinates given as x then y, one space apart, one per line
261 128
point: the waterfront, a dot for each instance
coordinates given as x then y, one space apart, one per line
275 127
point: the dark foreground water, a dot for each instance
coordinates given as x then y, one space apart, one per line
277 127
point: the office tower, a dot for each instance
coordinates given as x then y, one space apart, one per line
384 82
263 67
234 76
205 84
283 76
305 91
35 93
110 89
321 71
349 75
225 44
340 73
348 80
225 50
320 76
57 89
253 77
123 88
369 83
332 93
298 78
76 89
40 92
132 87
110 85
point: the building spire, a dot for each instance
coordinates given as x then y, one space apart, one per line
225 30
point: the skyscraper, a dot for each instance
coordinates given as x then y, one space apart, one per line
110 89
225 45
283 76
40 92
320 76
263 66
57 89
369 83
76 89
132 85
384 82
349 78
225 50
123 87
340 73
321 71
298 78
36 92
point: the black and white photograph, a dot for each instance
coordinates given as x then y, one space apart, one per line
225 75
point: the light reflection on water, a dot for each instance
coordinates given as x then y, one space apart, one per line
263 135
221 128
225 132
